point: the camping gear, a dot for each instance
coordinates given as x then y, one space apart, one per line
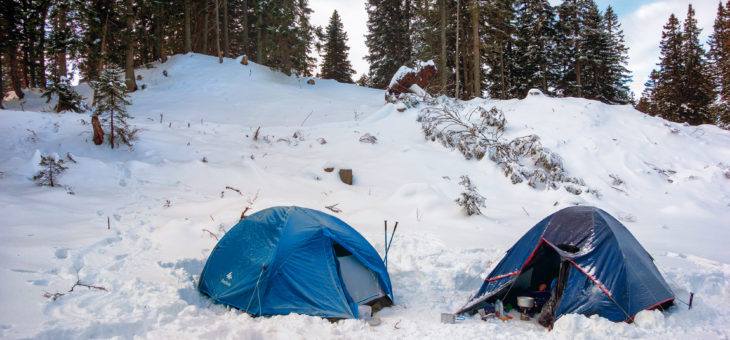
525 303
387 245
285 260
600 268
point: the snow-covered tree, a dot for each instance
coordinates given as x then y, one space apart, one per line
110 104
534 46
614 89
697 87
388 39
668 93
470 199
68 98
336 64
51 168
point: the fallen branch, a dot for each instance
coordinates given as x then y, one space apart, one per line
334 208
55 296
213 235
256 135
243 213
234 189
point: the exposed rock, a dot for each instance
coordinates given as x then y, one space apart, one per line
329 169
310 81
346 176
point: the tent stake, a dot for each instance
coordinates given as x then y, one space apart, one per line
691 297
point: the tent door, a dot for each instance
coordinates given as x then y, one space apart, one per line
360 282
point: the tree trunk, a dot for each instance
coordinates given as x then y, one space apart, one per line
260 55
102 53
61 68
476 54
456 57
111 129
205 26
578 80
444 64
218 32
2 85
14 77
226 43
41 49
188 40
244 23
129 57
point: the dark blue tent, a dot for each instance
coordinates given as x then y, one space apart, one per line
285 260
598 266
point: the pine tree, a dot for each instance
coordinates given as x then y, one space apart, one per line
647 102
110 103
668 92
68 98
388 39
720 63
335 64
534 46
697 91
569 28
498 50
51 168
614 89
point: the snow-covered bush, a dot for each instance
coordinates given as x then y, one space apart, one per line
51 167
470 199
110 104
522 159
68 99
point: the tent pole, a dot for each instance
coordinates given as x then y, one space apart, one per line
385 245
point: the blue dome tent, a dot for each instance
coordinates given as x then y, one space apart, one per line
597 265
285 260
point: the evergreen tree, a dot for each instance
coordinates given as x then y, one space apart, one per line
668 93
51 168
720 64
614 89
697 89
110 103
388 39
647 102
335 64
593 52
498 50
68 98
534 47
568 29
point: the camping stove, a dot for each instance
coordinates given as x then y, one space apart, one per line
525 303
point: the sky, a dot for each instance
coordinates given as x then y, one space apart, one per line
642 22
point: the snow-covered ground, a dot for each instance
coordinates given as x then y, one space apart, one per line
675 199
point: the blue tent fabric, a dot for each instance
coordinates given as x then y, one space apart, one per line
281 260
611 274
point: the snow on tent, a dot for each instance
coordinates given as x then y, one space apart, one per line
285 260
597 264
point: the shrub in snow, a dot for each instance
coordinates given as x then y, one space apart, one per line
534 93
453 129
51 168
110 104
522 159
68 99
470 199
368 138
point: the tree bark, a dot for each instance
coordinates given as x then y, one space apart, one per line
226 44
244 23
476 55
102 53
260 55
14 77
98 130
41 49
218 32
443 67
188 40
456 58
61 68
129 57
2 85
205 26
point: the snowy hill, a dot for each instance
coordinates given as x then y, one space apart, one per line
142 222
